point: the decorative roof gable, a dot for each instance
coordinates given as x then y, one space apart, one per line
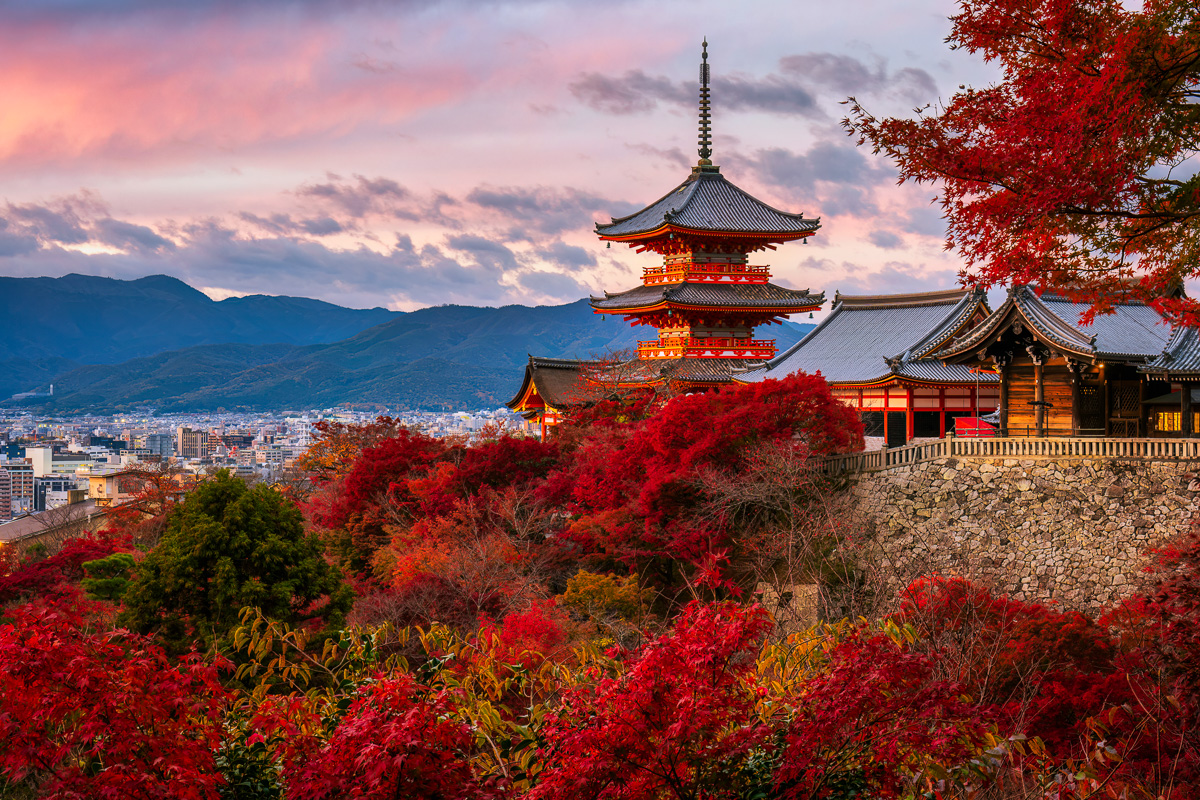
1133 331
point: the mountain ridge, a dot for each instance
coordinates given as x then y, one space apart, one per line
448 357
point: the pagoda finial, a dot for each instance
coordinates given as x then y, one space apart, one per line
705 130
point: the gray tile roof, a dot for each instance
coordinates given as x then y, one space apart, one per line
1133 331
698 370
743 295
559 381
708 202
1181 355
931 369
869 339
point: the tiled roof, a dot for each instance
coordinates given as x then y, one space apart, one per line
1132 331
558 381
933 370
868 339
742 295
708 202
697 370
1181 354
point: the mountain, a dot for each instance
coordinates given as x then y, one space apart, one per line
93 320
19 374
447 357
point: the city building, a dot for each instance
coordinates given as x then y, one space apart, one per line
113 487
5 494
46 461
160 444
20 487
192 444
53 491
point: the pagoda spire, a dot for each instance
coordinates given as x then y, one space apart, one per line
705 118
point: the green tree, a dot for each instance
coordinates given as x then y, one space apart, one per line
107 578
226 547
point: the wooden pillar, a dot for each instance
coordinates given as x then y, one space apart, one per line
1185 408
1142 427
1104 382
1039 389
942 412
910 418
1039 397
1076 370
1004 397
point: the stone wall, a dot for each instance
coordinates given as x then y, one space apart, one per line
1074 531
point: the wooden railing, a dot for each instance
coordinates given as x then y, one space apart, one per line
706 273
680 346
1012 448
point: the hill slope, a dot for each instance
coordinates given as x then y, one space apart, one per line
448 357
93 320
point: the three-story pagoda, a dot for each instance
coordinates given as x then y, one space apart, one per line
706 298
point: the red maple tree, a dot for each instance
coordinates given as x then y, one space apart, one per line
1070 171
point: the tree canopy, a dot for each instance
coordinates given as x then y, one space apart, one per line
1077 170
226 547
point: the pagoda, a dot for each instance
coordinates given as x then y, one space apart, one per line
706 298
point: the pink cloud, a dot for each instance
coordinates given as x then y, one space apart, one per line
154 92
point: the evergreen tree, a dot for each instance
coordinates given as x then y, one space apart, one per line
226 547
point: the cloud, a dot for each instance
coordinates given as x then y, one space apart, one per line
165 91
791 91
360 198
543 209
925 220
552 285
830 179
897 277
636 92
58 221
568 256
847 75
484 251
331 244
127 235
16 244
884 239
280 223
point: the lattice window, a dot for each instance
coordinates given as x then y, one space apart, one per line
1125 400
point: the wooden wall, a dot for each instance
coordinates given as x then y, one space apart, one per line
1022 391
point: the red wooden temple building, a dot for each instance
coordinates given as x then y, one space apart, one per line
879 354
706 298
1062 378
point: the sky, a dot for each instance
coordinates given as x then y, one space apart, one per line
417 153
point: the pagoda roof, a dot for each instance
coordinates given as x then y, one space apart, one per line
708 203
559 382
710 295
1133 331
689 370
870 339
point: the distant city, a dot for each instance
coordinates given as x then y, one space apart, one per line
49 462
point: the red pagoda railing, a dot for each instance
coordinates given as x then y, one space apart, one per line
706 273
707 347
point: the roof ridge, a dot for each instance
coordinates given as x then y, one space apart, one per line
692 179
961 313
939 297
